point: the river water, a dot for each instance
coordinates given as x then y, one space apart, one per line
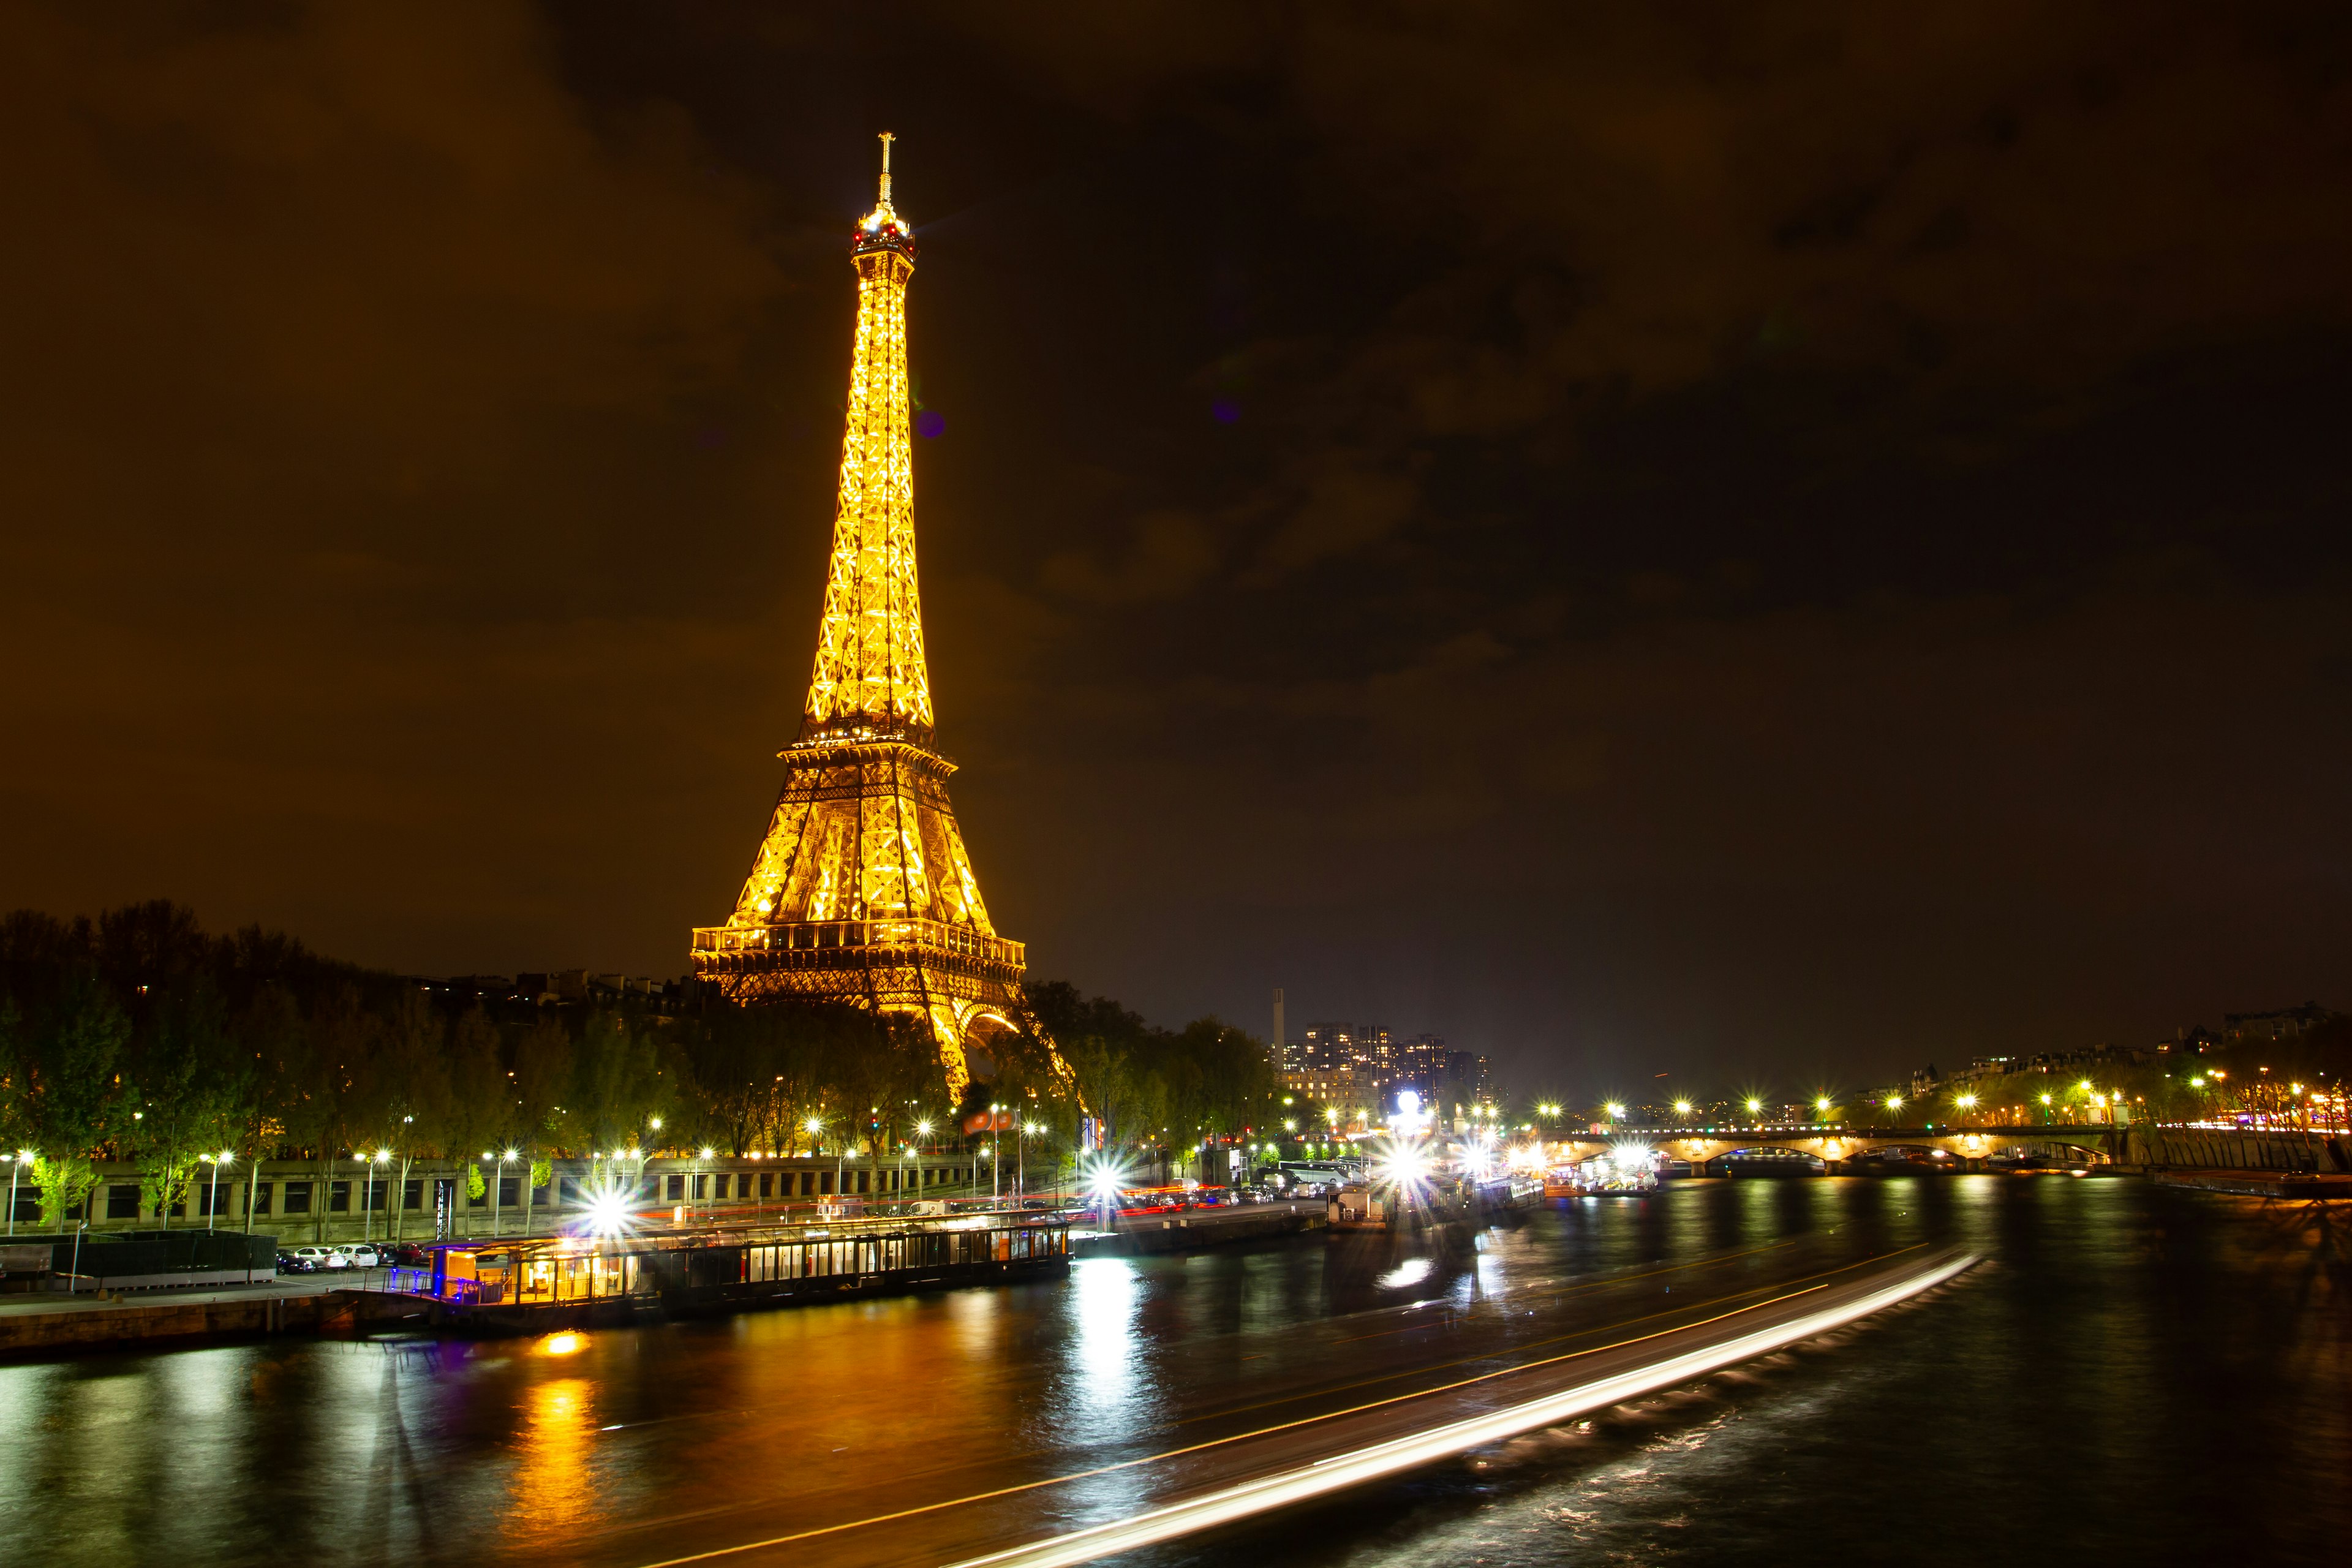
2133 1374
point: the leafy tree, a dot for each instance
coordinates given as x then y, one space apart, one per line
482 1101
409 1103
173 1077
65 1096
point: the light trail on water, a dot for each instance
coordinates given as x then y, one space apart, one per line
1231 1504
1334 1472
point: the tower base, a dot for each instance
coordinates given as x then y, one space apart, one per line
965 986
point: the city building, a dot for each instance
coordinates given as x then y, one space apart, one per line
2281 1024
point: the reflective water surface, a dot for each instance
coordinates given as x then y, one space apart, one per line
2133 1372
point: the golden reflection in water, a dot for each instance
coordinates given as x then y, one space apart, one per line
551 1494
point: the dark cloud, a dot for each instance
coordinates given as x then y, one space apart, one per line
1812 536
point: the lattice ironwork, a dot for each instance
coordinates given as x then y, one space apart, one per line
862 890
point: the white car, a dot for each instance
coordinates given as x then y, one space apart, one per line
357 1255
320 1257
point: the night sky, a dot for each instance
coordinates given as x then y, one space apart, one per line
1766 543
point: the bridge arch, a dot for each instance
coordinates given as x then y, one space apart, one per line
1764 1160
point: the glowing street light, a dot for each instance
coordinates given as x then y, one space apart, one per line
17 1163
212 1203
1614 1110
1682 1108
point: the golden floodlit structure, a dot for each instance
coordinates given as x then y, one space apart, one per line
862 890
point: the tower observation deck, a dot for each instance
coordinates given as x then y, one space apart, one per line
862 890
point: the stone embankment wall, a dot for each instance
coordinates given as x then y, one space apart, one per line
2239 1149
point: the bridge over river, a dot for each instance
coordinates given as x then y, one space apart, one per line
1825 1148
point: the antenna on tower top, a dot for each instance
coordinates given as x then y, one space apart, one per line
886 140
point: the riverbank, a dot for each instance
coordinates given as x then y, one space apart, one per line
2257 1183
33 1325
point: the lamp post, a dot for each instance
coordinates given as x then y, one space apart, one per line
16 1165
1021 1162
212 1203
390 1202
814 1127
994 1193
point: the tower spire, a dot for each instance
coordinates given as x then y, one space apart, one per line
870 678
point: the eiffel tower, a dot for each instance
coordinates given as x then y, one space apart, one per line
862 890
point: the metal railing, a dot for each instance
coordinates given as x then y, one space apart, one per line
814 936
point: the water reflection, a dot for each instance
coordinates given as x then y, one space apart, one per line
553 1494
1100 1400
2133 1364
1410 1272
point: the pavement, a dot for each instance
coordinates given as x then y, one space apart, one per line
35 1305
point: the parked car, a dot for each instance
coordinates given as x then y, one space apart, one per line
360 1254
295 1263
319 1257
408 1255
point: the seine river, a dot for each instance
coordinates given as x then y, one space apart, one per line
2132 1374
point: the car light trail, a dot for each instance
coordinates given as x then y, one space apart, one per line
1248 1497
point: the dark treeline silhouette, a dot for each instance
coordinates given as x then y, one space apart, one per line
138 1038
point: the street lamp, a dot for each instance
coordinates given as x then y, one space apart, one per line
1613 1109
1028 1131
212 1203
382 1157
17 1163
993 1195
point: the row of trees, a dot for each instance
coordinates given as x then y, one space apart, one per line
139 1037
2301 1082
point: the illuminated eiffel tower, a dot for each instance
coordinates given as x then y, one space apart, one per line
862 891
